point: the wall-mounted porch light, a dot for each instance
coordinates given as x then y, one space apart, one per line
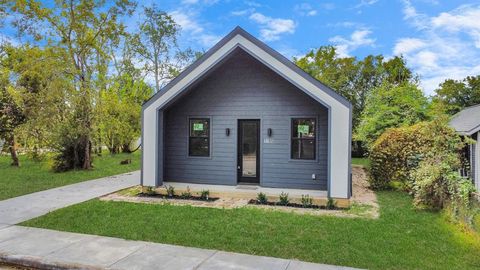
227 132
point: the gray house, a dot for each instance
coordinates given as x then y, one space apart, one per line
243 113
467 123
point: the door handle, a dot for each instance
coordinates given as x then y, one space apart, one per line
238 167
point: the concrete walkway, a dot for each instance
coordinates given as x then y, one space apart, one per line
50 249
18 209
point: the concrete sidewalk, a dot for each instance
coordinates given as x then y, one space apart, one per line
50 249
18 209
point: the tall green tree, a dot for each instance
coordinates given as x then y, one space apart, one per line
11 115
454 95
42 89
155 43
391 106
353 78
82 28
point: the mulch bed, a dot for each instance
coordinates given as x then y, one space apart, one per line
178 197
295 205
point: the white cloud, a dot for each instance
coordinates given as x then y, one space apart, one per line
193 2
272 28
446 46
189 24
305 9
242 12
358 38
364 3
406 45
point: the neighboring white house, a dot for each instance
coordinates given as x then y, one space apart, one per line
245 113
467 123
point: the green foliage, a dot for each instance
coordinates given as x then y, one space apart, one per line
391 106
205 194
186 194
307 201
149 190
331 204
170 191
454 95
283 198
155 44
398 151
262 198
436 183
354 78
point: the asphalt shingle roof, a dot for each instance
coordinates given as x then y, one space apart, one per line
467 121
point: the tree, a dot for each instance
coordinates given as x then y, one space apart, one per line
156 45
353 78
11 115
391 106
454 95
41 89
82 28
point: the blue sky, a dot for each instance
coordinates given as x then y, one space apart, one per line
439 39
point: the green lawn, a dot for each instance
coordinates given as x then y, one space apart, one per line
34 176
365 162
402 238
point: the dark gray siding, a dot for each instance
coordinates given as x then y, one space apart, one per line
473 157
243 88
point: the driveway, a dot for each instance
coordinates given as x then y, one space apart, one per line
22 208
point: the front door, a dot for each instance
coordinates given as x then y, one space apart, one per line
248 164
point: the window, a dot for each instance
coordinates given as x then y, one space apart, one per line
199 137
303 138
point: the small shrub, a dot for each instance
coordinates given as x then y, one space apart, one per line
186 194
307 201
331 204
262 198
170 191
148 190
283 198
205 194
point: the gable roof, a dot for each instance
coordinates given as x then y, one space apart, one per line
238 31
467 121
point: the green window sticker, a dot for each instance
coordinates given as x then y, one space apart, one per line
197 126
303 129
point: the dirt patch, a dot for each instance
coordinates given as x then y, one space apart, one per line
364 202
362 194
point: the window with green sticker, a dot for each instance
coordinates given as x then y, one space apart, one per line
303 142
199 137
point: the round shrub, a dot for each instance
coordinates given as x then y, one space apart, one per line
398 151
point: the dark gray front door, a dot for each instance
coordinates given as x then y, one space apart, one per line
248 169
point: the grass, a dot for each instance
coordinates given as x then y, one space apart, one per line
365 162
402 238
34 176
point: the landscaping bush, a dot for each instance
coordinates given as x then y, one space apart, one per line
262 198
205 194
307 201
398 151
425 158
436 183
170 191
283 199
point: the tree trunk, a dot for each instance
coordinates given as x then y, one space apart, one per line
13 151
87 161
126 148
